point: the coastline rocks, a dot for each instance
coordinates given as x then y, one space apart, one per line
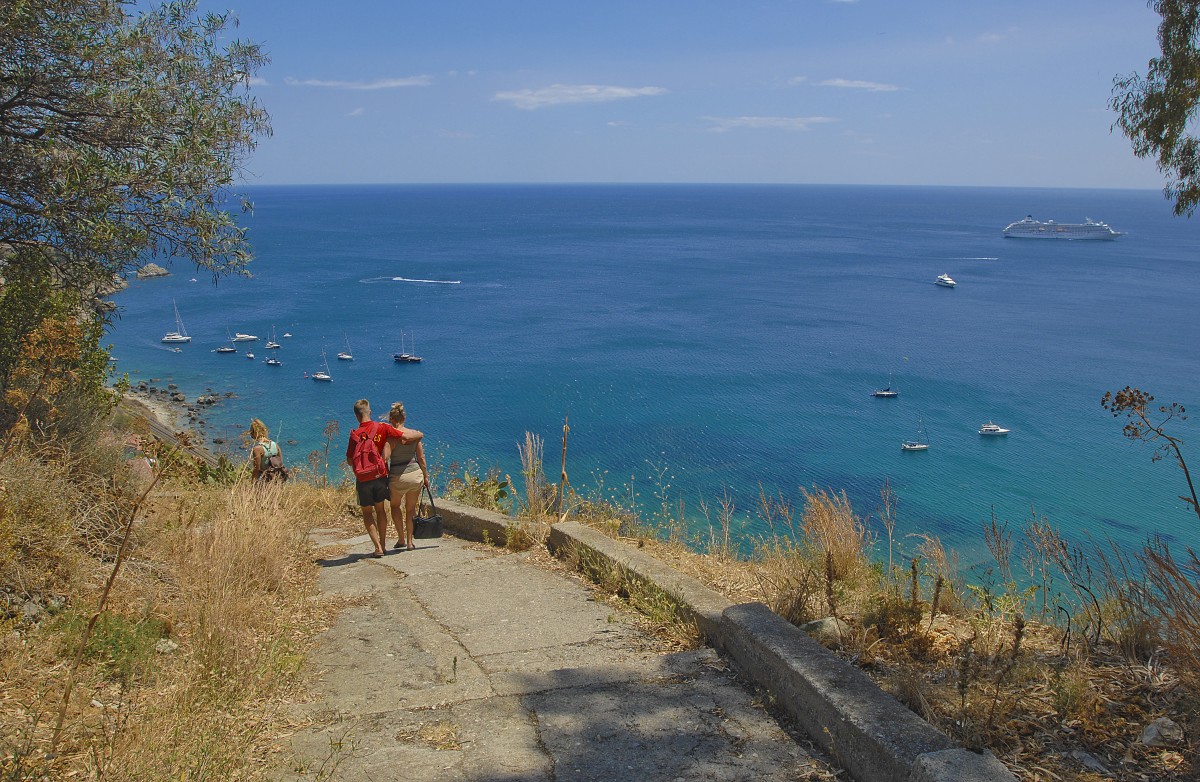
152 270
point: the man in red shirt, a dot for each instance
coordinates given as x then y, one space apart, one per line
372 484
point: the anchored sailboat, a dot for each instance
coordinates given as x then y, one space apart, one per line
921 443
325 376
180 333
346 355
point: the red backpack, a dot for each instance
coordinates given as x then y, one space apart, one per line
366 460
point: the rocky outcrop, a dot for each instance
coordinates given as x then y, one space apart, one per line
152 270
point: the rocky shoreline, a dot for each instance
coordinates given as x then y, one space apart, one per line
172 408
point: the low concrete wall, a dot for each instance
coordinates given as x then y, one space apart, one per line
872 734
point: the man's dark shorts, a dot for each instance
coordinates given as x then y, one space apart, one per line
371 492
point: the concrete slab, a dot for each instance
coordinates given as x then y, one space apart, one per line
456 663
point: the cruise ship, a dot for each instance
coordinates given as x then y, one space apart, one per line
1036 229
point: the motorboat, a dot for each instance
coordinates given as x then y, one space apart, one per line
1029 228
240 337
274 362
250 356
180 333
945 281
226 349
286 335
993 429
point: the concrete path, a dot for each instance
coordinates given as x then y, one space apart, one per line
456 662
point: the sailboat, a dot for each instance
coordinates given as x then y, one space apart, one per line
180 333
921 443
346 355
271 343
228 346
325 376
404 357
888 392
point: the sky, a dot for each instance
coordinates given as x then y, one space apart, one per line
893 92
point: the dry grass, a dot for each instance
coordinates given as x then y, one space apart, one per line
187 674
985 661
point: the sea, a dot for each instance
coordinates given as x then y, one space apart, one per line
712 344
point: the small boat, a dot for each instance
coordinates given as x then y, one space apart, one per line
250 356
240 337
271 343
176 350
888 392
274 362
346 355
404 357
180 333
324 376
945 281
919 443
286 335
993 429
228 346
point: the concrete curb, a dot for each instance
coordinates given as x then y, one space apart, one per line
874 736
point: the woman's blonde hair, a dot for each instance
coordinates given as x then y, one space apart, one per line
396 414
258 430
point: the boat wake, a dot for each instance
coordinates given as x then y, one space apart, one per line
410 279
429 282
973 259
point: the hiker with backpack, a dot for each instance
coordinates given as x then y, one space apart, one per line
266 455
366 453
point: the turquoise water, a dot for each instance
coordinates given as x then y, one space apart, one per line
724 337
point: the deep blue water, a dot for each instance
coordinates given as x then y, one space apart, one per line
725 337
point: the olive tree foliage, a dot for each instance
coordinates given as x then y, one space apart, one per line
122 130
121 134
1158 111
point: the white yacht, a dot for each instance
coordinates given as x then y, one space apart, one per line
346 355
993 429
274 362
920 442
240 337
180 333
271 343
1036 229
887 392
323 375
945 281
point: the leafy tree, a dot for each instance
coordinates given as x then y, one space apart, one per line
120 135
1156 110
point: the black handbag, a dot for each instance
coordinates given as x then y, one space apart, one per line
428 526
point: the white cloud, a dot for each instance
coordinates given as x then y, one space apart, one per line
357 112
723 124
852 84
257 81
378 84
797 80
557 94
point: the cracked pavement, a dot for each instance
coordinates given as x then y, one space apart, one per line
455 662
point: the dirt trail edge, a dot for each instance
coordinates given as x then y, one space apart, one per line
462 663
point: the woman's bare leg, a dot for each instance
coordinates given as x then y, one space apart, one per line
410 513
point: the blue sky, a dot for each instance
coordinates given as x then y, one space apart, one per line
929 92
